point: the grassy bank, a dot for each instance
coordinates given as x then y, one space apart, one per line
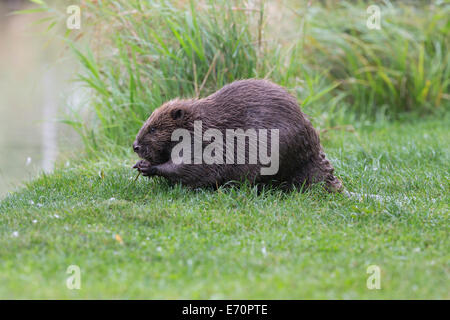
379 98
134 55
145 239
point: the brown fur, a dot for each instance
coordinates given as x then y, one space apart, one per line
245 104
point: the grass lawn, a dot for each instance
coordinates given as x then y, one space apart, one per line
145 239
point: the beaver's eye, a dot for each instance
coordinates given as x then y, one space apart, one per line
152 129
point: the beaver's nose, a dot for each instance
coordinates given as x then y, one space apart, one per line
136 147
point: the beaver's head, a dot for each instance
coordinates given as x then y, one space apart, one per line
153 141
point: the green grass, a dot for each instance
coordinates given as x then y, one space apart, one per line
135 55
402 68
145 239
234 243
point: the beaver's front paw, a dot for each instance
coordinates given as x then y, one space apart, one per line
145 167
141 163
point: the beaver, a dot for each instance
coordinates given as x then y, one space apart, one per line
249 107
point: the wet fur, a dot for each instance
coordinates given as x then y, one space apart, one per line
245 104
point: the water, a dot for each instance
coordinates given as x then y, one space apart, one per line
33 90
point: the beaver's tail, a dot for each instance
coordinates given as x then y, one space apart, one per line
324 172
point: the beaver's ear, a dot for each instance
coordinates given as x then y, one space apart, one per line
177 114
